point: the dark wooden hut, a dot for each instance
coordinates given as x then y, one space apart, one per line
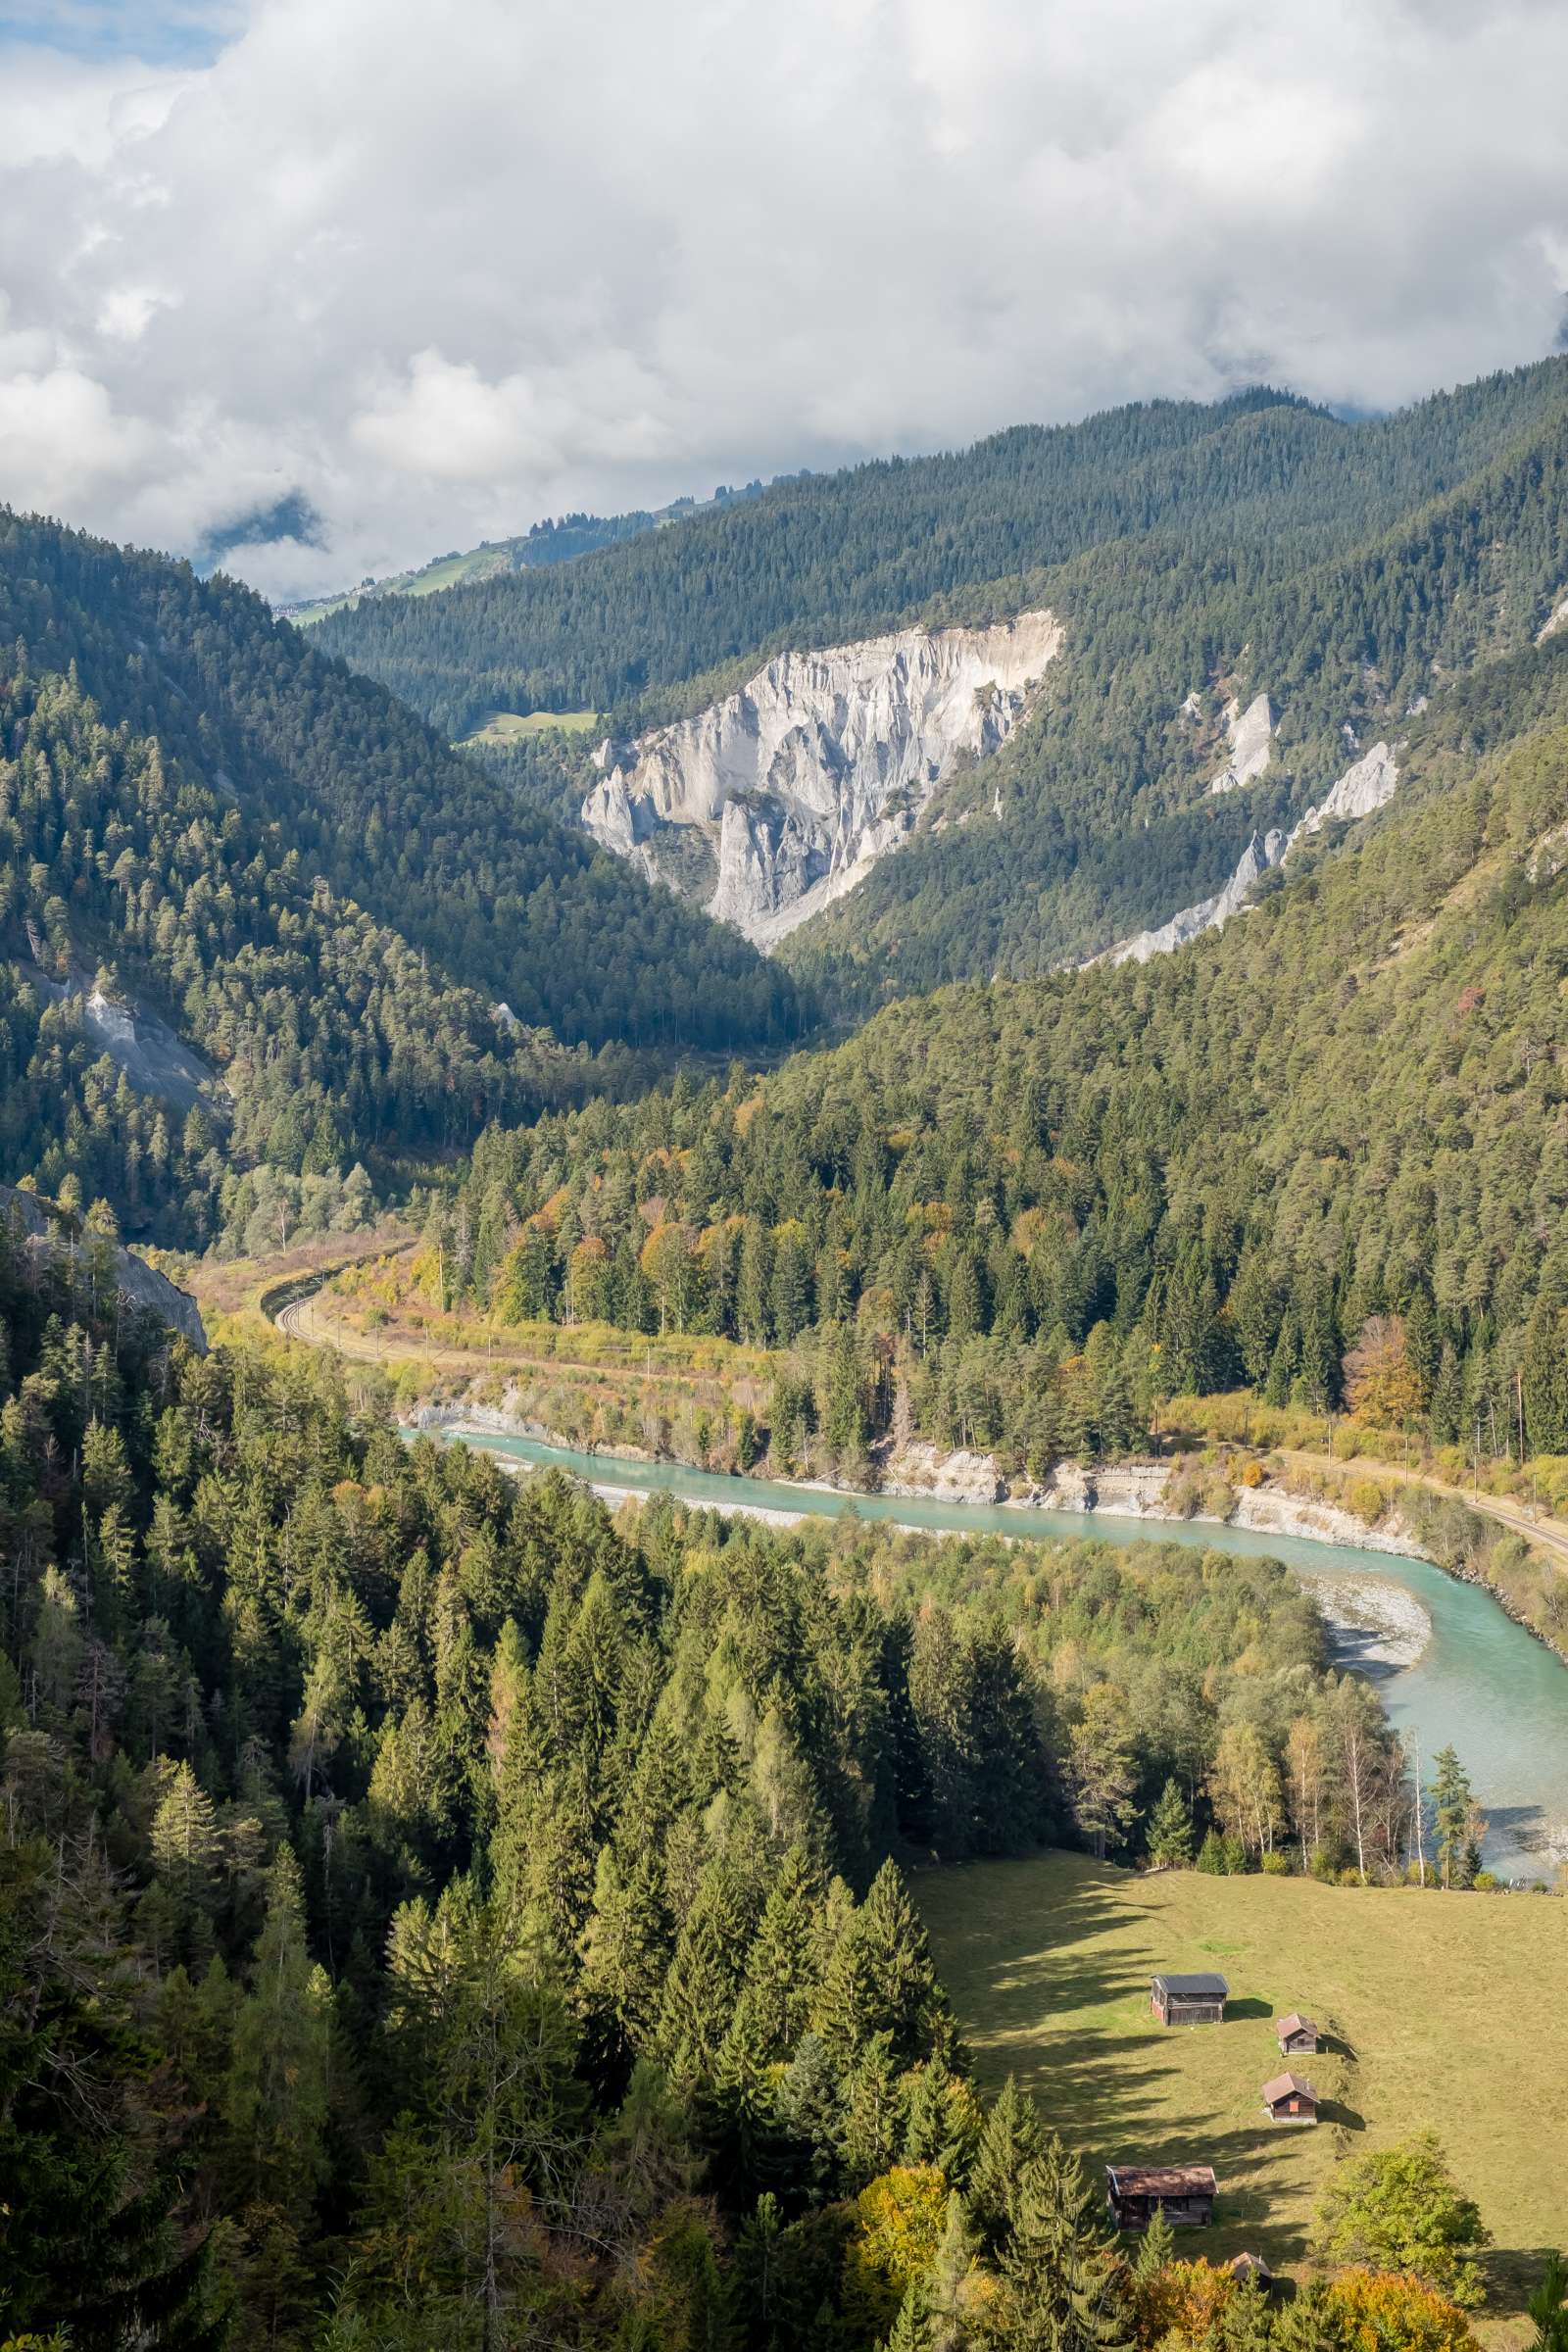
1184 2193
1188 2000
1298 2036
1290 2099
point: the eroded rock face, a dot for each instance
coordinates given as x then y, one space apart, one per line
1251 734
47 1235
1558 620
1360 791
1209 914
819 765
1365 788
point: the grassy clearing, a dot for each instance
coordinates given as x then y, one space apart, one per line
504 726
1446 2012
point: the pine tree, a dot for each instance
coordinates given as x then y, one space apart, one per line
277 2096
912 2329
954 2283
882 1978
1099 1767
1157 2248
944 2122
780 1980
624 1948
698 2005
185 1841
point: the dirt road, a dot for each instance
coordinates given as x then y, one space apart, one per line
303 1317
1541 1531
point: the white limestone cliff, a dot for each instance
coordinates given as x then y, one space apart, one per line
1251 734
1364 787
819 764
1558 620
1209 914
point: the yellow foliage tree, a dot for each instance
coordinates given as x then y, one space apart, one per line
1383 2310
898 2223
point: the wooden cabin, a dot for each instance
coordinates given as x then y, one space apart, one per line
1298 2036
1290 2099
1188 2000
1184 2193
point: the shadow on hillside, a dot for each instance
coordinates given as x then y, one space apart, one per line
1246 2161
1249 2006
1093 2104
1512 2274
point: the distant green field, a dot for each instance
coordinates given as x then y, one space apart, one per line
504 726
1447 2013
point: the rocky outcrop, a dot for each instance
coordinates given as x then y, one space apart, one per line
1556 619
818 765
1251 734
1209 914
154 1060
1362 789
47 1235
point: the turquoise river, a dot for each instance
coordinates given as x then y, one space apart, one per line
1458 1670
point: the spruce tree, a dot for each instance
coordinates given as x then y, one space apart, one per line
1063 2288
1169 1837
781 1967
1452 1809
1012 2139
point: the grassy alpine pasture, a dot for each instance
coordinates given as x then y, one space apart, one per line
504 726
1447 2013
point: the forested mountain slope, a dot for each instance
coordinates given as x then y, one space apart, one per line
1193 557
433 1914
507 899
822 558
1109 816
1053 1202
368 947
557 541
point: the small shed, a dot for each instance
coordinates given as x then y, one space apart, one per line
1188 2000
1184 2193
1298 2036
1290 2099
1245 2267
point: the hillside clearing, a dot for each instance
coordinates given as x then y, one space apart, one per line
1444 2013
504 726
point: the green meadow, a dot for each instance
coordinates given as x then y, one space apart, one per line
1443 2012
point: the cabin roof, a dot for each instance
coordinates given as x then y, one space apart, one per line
1161 2179
1285 2087
1295 2022
1195 1988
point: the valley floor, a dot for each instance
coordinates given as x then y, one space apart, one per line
1445 2014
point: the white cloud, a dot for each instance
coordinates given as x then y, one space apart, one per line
589 253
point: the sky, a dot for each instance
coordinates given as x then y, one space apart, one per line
334 286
